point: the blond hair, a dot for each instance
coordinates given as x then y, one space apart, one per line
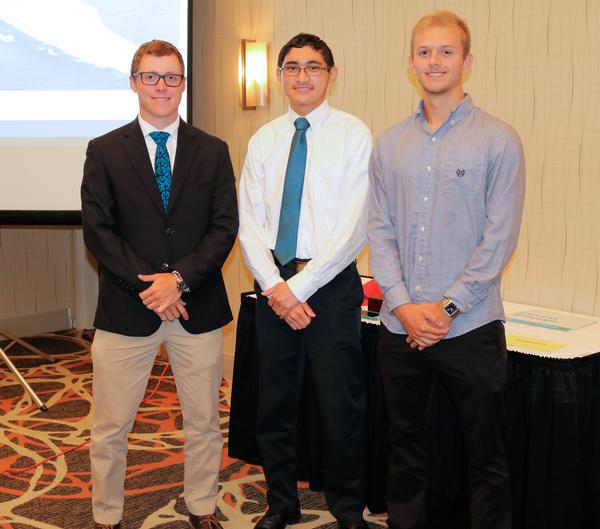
443 19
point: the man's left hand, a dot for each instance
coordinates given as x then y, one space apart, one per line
162 293
281 299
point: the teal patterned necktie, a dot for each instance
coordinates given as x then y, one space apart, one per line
289 217
162 166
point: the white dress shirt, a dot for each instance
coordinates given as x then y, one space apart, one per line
333 215
151 144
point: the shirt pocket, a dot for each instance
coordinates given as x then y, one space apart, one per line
462 175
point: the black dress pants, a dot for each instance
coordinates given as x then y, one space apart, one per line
473 369
329 349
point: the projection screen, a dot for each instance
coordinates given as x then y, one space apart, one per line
65 80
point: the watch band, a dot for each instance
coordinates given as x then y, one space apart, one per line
181 286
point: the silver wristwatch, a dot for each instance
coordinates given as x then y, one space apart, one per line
449 307
181 286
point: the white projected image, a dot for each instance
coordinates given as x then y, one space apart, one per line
66 62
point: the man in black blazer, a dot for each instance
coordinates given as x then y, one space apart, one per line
159 213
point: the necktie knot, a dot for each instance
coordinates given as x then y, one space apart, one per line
160 138
301 124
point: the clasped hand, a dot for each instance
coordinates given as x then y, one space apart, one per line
287 306
425 323
162 296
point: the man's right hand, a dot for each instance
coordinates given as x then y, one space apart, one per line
281 299
424 323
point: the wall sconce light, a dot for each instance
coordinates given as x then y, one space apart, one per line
253 74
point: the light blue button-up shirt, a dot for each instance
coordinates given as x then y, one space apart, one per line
444 213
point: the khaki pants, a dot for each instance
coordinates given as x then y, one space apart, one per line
122 366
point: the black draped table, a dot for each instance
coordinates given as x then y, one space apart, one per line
553 424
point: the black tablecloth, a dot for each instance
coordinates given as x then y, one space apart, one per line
553 436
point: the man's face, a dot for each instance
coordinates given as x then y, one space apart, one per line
306 92
437 59
159 103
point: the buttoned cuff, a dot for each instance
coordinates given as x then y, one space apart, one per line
302 286
272 281
461 296
396 296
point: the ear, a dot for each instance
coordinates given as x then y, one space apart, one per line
132 84
468 62
411 63
279 74
333 73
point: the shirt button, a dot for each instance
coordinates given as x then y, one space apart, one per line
429 167
170 230
433 139
418 288
452 122
422 228
420 258
425 198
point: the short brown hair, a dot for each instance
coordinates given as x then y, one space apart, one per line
157 48
443 19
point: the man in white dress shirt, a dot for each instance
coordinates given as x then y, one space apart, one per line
303 196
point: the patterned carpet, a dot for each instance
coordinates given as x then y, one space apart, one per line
56 494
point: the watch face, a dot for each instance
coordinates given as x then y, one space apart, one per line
450 308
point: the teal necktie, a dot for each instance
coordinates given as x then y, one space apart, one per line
162 166
289 217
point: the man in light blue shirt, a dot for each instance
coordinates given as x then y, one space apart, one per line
447 190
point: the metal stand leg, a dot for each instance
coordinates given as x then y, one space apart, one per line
23 382
14 339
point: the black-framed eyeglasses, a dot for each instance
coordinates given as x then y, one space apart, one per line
313 70
152 78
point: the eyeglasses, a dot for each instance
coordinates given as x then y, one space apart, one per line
152 78
313 70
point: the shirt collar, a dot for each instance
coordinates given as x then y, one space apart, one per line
456 114
315 118
171 129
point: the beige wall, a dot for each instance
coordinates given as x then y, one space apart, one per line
36 271
537 66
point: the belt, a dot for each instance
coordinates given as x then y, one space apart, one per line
297 265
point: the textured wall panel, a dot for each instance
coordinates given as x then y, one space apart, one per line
537 66
36 271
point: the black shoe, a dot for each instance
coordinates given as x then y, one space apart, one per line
356 524
278 520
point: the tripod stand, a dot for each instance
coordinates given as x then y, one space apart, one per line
13 339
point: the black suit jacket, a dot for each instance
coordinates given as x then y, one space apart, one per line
127 230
